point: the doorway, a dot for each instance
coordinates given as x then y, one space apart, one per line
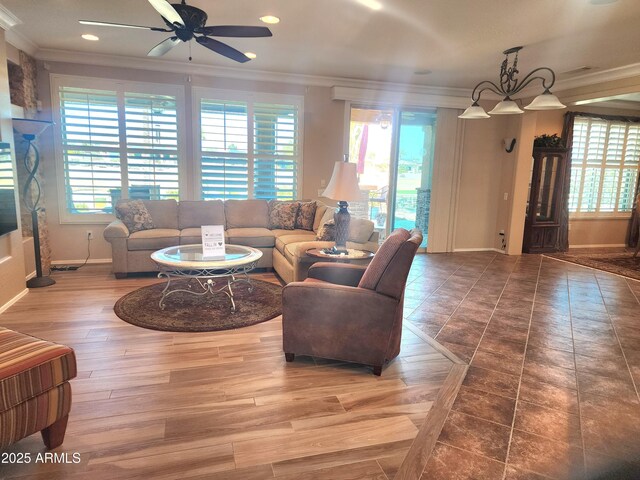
393 149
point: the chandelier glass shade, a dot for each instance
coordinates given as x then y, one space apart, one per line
510 85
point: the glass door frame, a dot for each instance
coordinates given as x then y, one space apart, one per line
394 152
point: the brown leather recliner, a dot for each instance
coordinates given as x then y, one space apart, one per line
349 312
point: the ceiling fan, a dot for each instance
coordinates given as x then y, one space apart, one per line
186 23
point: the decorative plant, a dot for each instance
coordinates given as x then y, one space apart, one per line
548 141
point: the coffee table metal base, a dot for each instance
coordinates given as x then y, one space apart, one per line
210 281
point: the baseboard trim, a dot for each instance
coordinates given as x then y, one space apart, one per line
598 245
31 275
14 300
497 250
80 262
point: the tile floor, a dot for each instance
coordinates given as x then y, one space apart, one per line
554 355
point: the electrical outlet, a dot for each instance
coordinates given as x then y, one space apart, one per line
89 235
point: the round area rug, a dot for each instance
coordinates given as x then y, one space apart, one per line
190 313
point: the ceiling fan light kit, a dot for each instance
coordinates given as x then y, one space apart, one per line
510 85
187 23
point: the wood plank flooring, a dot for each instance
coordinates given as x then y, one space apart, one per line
218 405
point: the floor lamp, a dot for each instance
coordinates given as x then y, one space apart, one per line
29 130
343 187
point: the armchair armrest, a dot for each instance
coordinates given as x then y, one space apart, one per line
116 229
336 321
337 273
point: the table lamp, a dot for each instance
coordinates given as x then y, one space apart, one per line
30 129
343 187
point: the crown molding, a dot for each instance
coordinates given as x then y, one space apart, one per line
7 19
21 42
66 56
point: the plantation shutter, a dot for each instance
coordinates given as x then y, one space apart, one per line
90 148
224 150
604 166
276 152
152 145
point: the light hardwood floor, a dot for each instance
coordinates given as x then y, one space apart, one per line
220 405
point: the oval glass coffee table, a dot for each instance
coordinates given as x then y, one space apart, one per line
213 275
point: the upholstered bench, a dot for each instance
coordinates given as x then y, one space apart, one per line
35 395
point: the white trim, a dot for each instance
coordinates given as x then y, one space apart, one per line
18 40
598 245
6 306
491 249
30 276
81 261
144 63
442 98
7 19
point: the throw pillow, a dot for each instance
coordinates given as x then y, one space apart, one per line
134 215
306 215
327 232
283 215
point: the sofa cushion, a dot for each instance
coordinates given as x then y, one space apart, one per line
190 236
246 213
153 239
278 232
134 215
251 237
306 215
163 212
30 366
320 211
283 215
360 230
281 242
192 214
299 249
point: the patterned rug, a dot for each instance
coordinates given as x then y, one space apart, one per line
190 313
619 263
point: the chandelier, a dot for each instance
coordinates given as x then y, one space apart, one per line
510 85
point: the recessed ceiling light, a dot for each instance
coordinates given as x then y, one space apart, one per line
88 36
270 19
251 55
372 4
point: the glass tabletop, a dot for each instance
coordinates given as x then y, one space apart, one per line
193 253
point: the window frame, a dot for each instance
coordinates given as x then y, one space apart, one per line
250 98
121 87
584 165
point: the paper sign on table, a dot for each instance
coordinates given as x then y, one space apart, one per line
213 242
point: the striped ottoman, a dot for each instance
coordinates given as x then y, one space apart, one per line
35 395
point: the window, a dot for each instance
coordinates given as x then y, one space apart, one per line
115 142
604 166
249 148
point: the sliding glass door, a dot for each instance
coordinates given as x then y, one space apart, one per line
393 149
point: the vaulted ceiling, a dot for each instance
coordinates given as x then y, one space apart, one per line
459 41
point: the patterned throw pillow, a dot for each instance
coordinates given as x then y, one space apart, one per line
283 215
306 214
134 215
327 232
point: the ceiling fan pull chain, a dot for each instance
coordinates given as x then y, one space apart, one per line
189 50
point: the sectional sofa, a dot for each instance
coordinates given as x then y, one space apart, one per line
246 223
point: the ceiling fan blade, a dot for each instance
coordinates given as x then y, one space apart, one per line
163 47
236 31
121 25
165 9
223 49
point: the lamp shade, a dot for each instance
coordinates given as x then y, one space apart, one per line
30 128
506 107
343 185
545 101
473 112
